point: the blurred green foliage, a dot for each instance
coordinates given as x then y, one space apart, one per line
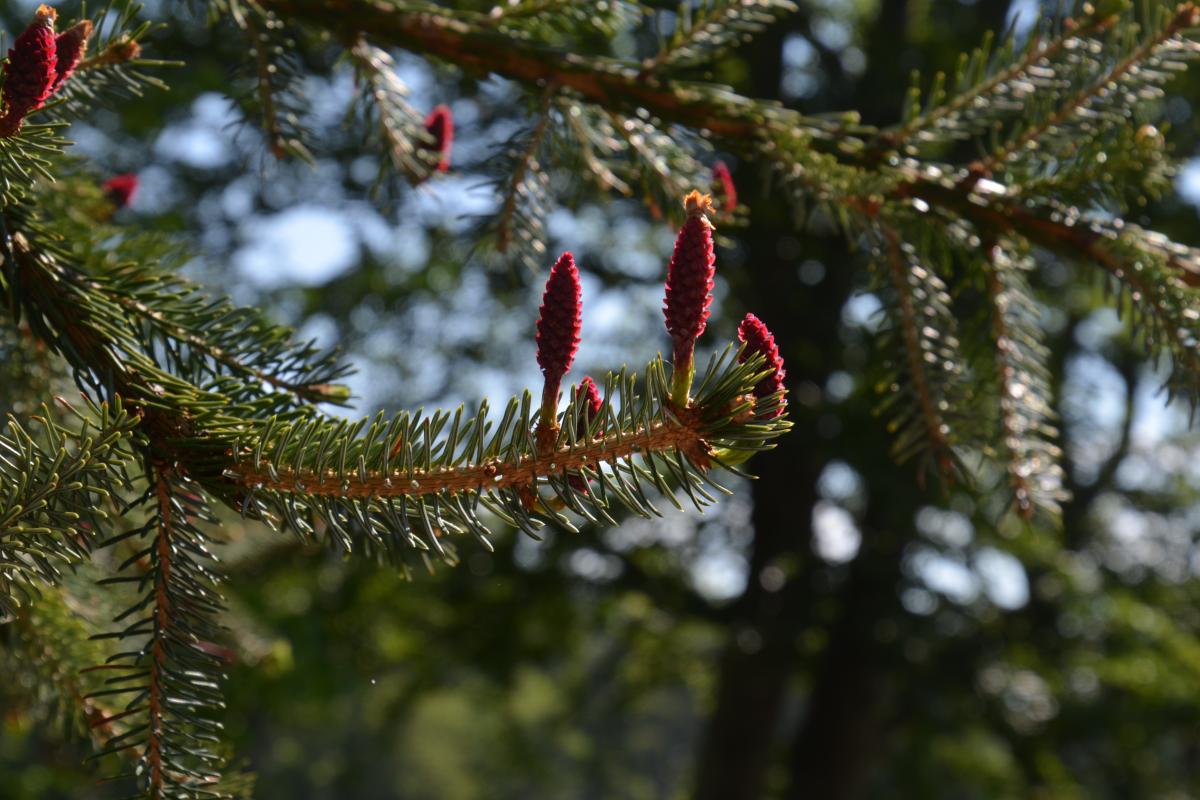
599 666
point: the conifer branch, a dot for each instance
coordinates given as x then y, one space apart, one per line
1058 230
308 391
526 163
683 433
1186 16
713 26
172 676
127 301
1031 459
265 88
54 489
919 353
410 147
585 135
607 83
1037 52
657 165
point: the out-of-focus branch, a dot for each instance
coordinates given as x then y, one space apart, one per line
606 82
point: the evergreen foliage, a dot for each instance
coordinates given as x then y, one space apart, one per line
1035 148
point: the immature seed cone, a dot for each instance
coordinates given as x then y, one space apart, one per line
690 278
592 402
120 189
760 341
440 124
724 187
559 321
30 72
69 47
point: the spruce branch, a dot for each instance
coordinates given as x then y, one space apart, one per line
397 501
400 127
273 75
665 169
172 675
114 66
497 474
605 82
922 326
1106 85
704 31
1031 457
526 186
561 21
55 486
974 81
139 311
593 139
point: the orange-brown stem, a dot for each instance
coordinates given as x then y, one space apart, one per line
661 437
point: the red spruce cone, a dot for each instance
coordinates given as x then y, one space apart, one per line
724 187
760 341
690 278
440 124
120 189
560 320
69 47
592 402
30 71
589 396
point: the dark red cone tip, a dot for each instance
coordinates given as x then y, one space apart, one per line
440 124
30 72
120 189
560 319
69 47
690 276
723 184
759 340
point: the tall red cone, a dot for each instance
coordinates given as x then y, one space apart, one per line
689 290
558 326
31 70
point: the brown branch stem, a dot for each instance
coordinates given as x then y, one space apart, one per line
606 82
684 435
738 119
1001 219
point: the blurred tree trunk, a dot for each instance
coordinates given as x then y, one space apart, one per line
759 657
831 750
